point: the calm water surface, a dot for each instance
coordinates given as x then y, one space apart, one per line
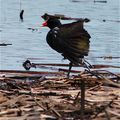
105 36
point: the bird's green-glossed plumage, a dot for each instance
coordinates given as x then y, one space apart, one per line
71 40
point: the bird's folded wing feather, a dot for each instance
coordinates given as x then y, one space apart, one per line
74 39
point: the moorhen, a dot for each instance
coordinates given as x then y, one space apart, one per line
71 40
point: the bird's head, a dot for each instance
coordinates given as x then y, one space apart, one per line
52 23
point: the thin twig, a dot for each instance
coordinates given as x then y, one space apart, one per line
76 97
102 108
82 99
107 116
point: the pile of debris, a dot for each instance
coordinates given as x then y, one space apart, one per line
27 95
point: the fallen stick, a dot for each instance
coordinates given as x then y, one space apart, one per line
11 102
103 107
107 115
7 92
45 109
94 88
42 92
108 57
9 111
31 72
63 17
49 107
76 98
104 66
82 100
110 82
103 79
4 44
108 73
114 113
39 104
27 65
100 1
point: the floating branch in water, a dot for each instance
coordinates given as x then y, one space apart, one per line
105 66
5 44
111 20
108 57
105 20
33 29
63 17
107 73
27 65
101 1
75 1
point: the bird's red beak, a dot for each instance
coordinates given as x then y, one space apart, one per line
44 24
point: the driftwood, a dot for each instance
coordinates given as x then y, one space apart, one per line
5 44
30 72
100 1
63 17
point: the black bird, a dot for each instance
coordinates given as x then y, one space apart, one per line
71 40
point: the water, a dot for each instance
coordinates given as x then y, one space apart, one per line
105 36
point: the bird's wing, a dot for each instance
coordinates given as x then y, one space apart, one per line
74 40
73 29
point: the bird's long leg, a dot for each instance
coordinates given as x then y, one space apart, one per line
70 66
